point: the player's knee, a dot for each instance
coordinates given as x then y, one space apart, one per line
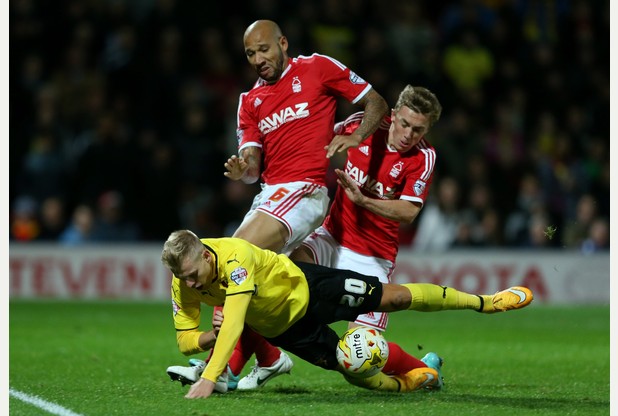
395 298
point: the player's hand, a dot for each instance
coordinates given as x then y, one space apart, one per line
217 320
349 186
201 389
342 143
236 167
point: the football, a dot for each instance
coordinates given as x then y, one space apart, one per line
362 351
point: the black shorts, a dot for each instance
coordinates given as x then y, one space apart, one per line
334 295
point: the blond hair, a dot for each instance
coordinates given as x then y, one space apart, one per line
180 245
420 100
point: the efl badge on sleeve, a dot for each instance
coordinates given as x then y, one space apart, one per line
355 79
239 275
419 187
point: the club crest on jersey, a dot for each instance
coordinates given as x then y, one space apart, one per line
355 79
239 275
296 87
396 169
419 187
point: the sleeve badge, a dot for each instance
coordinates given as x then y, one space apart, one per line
239 275
419 187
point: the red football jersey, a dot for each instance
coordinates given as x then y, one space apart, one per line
293 119
384 173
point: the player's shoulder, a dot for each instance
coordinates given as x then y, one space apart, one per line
317 59
423 151
260 84
422 156
425 148
349 124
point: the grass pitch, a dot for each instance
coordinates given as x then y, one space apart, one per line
109 358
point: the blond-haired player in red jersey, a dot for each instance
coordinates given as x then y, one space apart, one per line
385 182
285 137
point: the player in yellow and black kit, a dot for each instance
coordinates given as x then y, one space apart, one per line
291 304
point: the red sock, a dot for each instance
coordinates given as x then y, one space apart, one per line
399 361
240 356
265 353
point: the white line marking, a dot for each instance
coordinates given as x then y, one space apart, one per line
49 407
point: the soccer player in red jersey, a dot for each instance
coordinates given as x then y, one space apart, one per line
285 137
284 124
384 183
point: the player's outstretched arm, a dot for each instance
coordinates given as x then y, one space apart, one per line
375 108
341 143
350 187
396 210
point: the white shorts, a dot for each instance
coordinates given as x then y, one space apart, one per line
300 206
328 252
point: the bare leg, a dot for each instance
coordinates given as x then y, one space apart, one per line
263 231
395 298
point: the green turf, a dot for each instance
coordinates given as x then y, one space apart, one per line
110 358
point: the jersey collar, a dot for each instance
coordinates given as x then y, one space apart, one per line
216 266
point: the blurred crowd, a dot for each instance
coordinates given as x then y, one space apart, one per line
123 112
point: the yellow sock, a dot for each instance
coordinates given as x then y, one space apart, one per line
378 382
427 297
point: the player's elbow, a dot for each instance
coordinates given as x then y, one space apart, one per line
408 219
185 352
252 174
376 102
184 348
188 342
409 215
249 179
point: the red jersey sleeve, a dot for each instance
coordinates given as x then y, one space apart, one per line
338 78
247 132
